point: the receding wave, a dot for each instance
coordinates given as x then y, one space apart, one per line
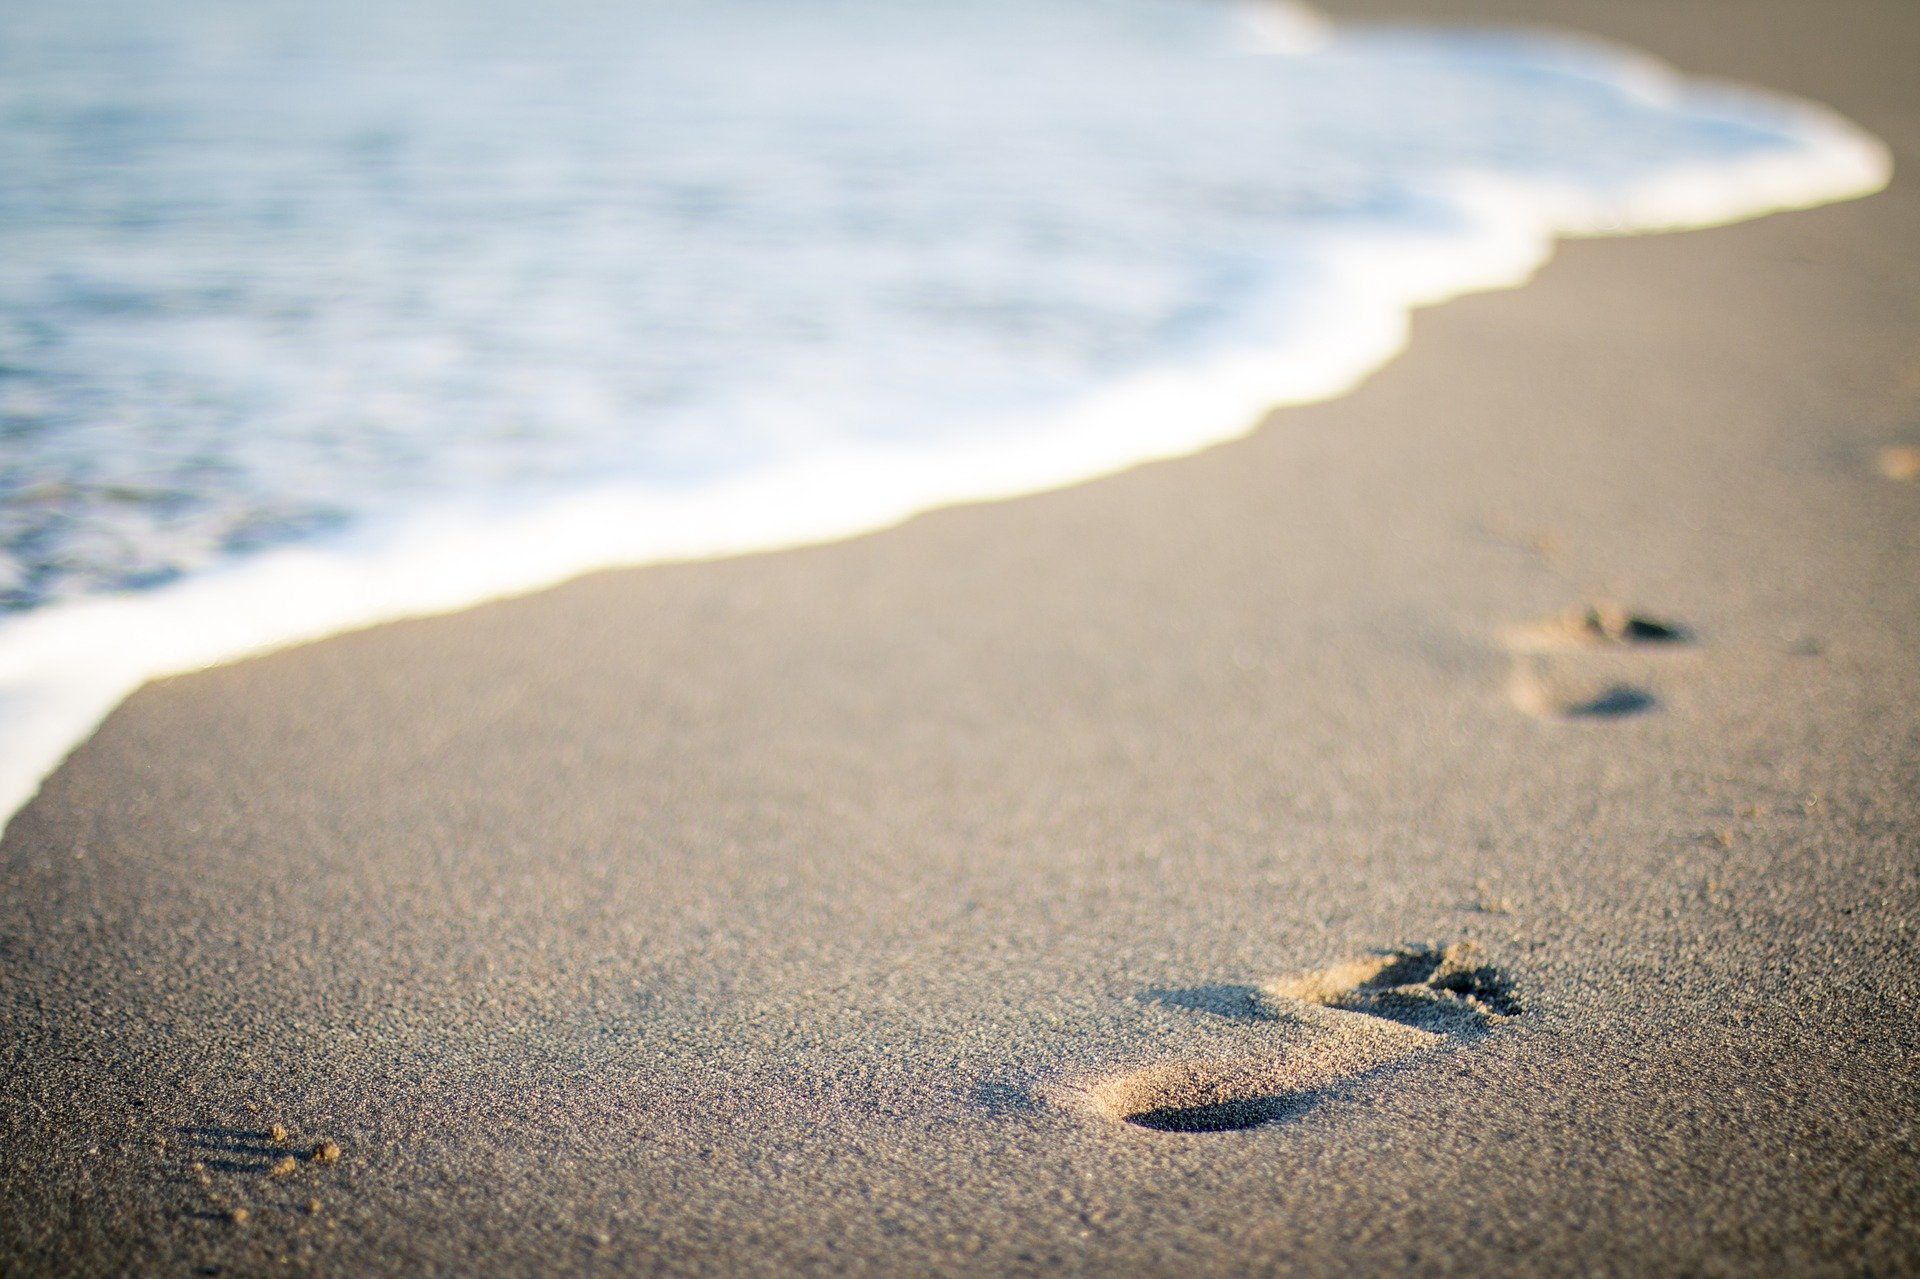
314 316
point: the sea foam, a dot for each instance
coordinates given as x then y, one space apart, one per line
318 316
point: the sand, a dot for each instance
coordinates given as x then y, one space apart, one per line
831 911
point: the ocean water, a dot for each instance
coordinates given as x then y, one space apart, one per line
314 314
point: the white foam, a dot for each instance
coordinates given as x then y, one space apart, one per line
1284 27
66 666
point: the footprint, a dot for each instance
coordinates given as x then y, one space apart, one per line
232 1174
1561 664
1320 1029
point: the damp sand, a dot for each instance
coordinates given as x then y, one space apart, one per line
781 914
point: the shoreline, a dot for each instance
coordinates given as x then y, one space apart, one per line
737 917
65 666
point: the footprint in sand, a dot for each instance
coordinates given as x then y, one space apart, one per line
231 1173
1319 1029
1563 667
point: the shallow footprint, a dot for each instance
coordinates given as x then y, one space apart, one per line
1327 1027
1559 663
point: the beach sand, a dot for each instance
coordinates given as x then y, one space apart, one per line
832 910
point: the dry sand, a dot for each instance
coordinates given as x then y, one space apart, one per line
827 911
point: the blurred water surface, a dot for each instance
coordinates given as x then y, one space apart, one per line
269 271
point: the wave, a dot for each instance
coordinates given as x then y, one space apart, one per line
1303 315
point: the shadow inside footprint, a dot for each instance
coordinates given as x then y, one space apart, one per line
245 1150
1231 1093
1619 700
1224 1116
